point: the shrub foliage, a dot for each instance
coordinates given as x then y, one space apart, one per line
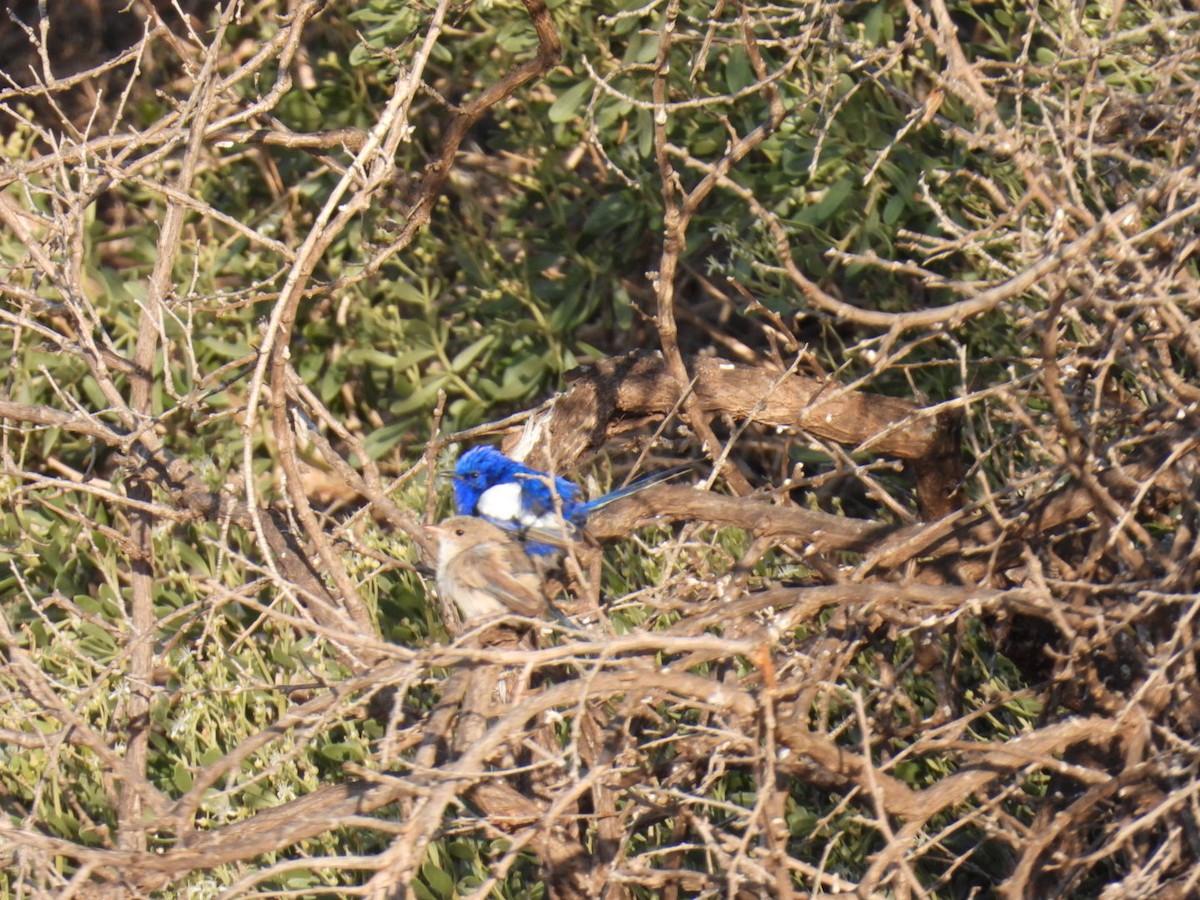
914 286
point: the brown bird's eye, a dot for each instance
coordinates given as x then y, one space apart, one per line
459 532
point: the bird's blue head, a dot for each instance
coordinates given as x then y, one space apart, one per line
477 470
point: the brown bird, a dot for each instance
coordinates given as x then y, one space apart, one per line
485 572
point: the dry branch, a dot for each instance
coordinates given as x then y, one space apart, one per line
960 647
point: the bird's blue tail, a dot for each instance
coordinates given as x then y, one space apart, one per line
632 488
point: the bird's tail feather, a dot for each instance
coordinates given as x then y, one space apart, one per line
632 488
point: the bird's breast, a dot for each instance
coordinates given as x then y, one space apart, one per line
502 502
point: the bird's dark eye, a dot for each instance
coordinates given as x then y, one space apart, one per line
459 532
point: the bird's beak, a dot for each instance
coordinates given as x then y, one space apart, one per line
445 473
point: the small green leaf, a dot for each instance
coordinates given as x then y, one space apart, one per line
738 73
563 109
441 884
181 778
467 356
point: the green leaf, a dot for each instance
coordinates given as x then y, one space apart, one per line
192 560
835 195
406 293
738 73
563 109
381 440
892 209
462 849
181 777
441 884
464 358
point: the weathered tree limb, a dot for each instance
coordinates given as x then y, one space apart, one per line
582 419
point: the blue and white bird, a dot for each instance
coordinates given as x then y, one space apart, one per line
517 498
